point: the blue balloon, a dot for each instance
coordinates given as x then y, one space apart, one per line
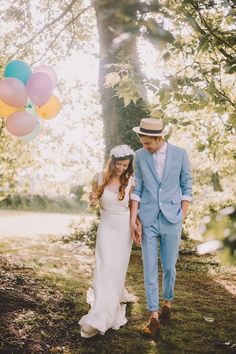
19 70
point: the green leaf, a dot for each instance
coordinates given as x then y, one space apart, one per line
211 88
178 96
203 43
112 79
166 56
127 99
232 119
185 107
200 147
156 113
157 31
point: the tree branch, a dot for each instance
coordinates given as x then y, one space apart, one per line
58 18
48 25
74 18
204 22
221 93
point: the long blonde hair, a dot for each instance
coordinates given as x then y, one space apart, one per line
124 178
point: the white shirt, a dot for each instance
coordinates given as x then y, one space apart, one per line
159 158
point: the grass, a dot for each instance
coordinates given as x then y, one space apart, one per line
53 326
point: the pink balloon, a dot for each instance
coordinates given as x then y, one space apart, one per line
39 88
13 92
46 69
21 123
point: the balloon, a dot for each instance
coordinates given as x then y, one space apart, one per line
32 135
50 109
6 111
39 88
43 68
19 70
21 123
13 92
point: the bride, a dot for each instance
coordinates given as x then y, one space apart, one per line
112 189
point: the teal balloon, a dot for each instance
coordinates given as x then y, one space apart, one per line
19 70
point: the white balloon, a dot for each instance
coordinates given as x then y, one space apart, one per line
43 68
32 135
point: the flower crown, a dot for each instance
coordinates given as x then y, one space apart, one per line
120 151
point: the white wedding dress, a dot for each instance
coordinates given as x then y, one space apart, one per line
113 247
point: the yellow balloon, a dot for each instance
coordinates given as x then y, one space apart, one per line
6 110
50 109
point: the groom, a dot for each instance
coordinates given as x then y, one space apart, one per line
160 199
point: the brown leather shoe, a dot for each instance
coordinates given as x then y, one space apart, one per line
152 329
165 315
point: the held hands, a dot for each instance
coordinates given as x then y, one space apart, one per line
136 231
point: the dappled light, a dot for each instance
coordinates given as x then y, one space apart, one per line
79 82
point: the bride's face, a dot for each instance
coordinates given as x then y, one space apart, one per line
121 167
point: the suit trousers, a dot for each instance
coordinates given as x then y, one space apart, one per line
168 236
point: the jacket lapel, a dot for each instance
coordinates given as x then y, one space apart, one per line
150 161
169 154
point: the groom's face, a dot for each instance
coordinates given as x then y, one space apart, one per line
151 144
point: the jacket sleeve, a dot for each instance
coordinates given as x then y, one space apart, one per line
186 177
138 178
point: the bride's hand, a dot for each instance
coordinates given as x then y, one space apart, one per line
93 199
133 227
138 231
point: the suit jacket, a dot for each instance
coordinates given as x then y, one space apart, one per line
164 195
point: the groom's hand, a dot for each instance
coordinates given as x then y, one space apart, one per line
139 231
134 228
136 231
185 205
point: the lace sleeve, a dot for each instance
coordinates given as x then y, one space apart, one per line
132 182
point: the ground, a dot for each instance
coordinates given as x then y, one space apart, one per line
49 280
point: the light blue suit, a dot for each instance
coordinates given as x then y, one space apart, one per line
161 216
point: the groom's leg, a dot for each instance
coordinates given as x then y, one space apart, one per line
169 251
150 265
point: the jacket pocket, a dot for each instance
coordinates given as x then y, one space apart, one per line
175 201
148 200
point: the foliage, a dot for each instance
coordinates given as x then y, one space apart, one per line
195 56
53 33
84 232
195 64
14 156
39 202
221 227
78 192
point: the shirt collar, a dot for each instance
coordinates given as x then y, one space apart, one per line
163 149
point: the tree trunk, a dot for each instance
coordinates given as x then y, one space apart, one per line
118 120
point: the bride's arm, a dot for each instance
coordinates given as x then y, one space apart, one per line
93 198
136 226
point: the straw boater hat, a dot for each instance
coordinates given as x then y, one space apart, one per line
151 127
